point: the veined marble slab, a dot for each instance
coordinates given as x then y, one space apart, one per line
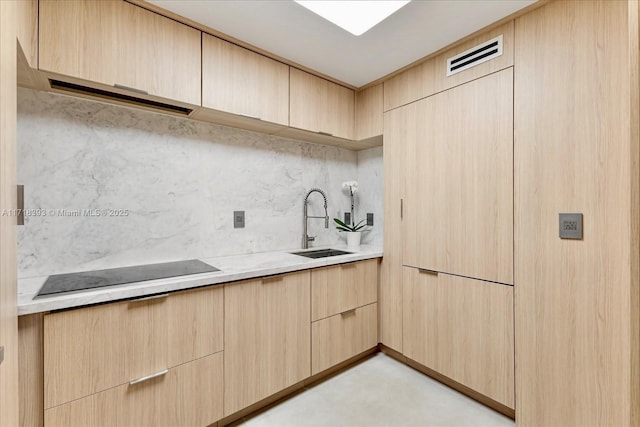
232 268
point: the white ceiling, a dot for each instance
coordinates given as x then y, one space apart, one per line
293 32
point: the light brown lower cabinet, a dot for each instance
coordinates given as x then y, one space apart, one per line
267 337
461 328
338 288
188 395
340 337
88 350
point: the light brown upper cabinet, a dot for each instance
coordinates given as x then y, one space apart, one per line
459 196
430 76
463 329
113 42
410 85
504 33
369 112
243 82
27 14
267 339
318 105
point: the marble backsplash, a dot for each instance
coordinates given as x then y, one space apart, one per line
108 186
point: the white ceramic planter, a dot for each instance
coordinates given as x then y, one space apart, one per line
353 239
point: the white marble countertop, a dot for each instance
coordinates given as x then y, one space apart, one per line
232 268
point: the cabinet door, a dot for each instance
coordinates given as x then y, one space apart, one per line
239 81
319 105
343 287
461 197
410 85
463 329
114 42
196 324
267 337
27 14
369 112
443 82
91 349
400 129
337 338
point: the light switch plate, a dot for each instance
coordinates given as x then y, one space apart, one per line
570 226
347 218
238 219
369 219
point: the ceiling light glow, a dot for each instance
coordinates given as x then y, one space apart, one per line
357 17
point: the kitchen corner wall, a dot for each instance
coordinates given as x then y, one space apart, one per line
179 180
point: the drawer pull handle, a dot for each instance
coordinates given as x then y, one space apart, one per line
273 278
249 117
325 133
152 297
131 89
348 312
427 271
149 377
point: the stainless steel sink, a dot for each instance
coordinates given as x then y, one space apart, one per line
321 253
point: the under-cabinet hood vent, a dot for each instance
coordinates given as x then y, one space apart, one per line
118 97
474 56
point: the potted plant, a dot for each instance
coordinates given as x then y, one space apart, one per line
354 231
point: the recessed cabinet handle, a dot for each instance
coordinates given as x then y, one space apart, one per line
149 377
325 133
131 89
273 278
401 208
427 271
349 264
348 312
152 297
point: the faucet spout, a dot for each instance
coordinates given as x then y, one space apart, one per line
306 238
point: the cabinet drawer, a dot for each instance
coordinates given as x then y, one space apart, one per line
339 337
187 395
343 287
91 349
461 328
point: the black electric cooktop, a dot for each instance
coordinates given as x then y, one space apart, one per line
72 282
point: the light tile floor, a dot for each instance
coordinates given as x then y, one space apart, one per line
379 392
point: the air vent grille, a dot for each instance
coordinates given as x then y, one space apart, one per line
474 56
98 93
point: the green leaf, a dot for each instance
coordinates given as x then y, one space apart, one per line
340 223
345 227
